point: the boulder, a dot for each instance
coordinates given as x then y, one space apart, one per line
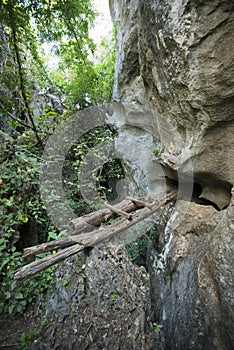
99 301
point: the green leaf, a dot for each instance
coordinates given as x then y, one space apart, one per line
19 295
53 235
4 263
11 308
24 218
7 295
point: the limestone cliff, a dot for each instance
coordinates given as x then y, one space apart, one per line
174 113
174 74
173 110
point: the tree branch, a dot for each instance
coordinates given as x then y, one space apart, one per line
16 119
22 86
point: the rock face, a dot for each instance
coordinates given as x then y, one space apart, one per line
174 113
42 101
98 302
175 69
192 279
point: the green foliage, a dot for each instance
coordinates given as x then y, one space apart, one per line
20 204
19 180
65 24
53 20
25 25
53 233
156 327
101 178
137 251
26 339
113 297
88 82
15 298
157 150
110 174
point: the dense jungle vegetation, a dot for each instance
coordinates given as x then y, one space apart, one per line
79 78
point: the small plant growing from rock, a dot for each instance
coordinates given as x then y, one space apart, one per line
113 297
156 327
157 150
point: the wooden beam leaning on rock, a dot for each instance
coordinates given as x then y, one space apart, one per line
119 212
92 221
140 201
84 240
96 218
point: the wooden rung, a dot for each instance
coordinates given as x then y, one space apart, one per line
118 211
138 201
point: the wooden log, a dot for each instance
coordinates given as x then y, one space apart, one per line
96 218
89 239
119 212
42 264
49 246
140 202
90 221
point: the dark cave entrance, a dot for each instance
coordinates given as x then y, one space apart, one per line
202 189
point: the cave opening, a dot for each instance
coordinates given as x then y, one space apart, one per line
201 191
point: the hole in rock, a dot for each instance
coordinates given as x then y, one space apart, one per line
204 189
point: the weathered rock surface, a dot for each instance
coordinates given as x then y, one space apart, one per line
44 101
192 279
175 92
175 67
98 302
